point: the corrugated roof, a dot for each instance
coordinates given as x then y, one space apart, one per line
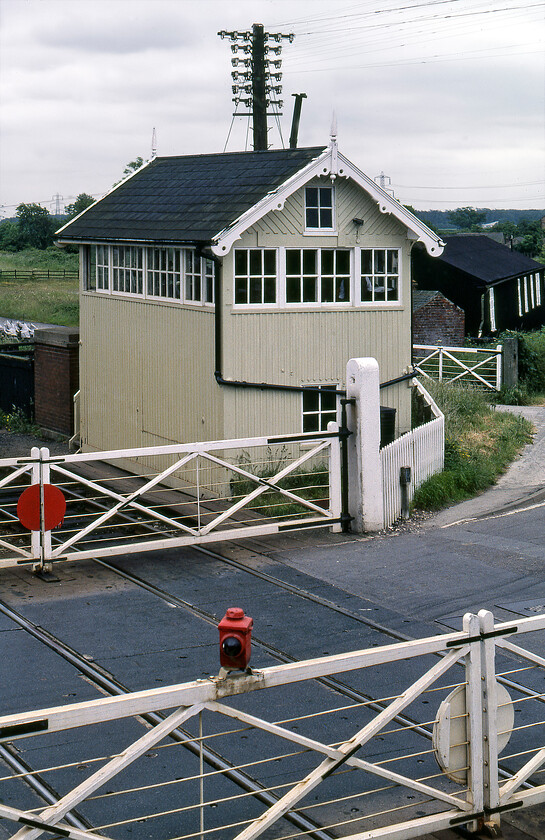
485 259
187 198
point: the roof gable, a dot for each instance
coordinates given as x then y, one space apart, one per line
485 259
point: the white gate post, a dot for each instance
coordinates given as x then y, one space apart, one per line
365 495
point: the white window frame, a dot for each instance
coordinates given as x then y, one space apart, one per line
104 273
492 308
376 275
537 282
320 228
319 275
519 296
323 414
249 274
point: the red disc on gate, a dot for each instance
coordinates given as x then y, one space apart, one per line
28 507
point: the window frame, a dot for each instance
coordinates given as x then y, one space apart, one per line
323 414
262 275
319 229
374 274
319 276
102 263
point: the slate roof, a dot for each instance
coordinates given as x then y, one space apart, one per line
486 260
187 199
423 296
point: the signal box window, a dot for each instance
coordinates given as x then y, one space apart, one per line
255 275
319 408
379 275
319 208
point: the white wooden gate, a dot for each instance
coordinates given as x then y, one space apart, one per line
476 366
360 770
173 495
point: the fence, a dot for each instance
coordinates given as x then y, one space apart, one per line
421 451
38 274
424 758
476 366
17 378
88 505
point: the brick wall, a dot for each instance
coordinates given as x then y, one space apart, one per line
439 322
56 378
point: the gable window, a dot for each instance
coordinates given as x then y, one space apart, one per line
255 275
317 275
319 408
319 208
127 272
163 272
379 275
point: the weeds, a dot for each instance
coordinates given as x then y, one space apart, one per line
16 421
480 443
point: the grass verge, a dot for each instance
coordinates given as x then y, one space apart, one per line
47 301
480 443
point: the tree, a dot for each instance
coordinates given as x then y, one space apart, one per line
36 227
82 202
10 239
131 167
467 218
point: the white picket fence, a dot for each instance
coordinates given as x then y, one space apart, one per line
423 450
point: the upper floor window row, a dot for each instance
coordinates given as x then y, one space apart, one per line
316 276
169 273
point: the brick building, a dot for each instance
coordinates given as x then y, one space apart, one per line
436 320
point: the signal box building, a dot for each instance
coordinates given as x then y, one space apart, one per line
206 278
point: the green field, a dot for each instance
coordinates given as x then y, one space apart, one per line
49 301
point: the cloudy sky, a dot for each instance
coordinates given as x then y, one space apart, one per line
446 97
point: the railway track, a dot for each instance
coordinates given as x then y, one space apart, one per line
107 683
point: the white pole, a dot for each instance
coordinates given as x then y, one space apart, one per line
365 495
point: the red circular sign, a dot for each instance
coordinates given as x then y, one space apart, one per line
28 507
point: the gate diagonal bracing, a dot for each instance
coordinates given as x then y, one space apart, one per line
138 500
424 758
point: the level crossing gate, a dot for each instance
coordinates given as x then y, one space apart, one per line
476 366
176 495
357 770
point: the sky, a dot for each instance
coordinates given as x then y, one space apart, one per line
446 98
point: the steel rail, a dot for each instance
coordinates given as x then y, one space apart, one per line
107 682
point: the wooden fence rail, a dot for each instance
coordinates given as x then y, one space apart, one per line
38 274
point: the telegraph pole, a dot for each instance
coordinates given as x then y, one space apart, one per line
255 76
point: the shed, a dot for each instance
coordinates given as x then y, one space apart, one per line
436 320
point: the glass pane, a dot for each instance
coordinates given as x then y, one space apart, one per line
327 289
326 219
312 196
392 288
311 422
380 263
312 218
342 289
255 289
269 293
309 262
293 262
327 262
326 197
311 400
269 262
367 288
241 294
343 262
293 290
380 289
329 400
241 262
255 262
309 289
366 261
393 262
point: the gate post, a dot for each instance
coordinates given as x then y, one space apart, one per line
364 465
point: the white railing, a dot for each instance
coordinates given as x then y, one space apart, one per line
176 495
422 450
476 366
424 758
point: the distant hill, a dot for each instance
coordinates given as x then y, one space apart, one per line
440 220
